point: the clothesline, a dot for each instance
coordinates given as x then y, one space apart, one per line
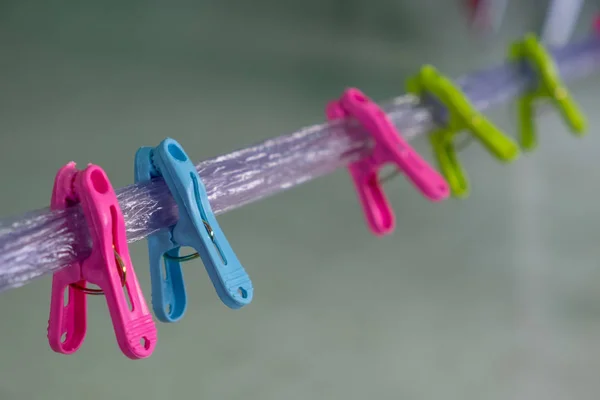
43 241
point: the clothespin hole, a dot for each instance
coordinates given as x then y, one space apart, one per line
168 308
63 338
164 269
128 298
463 141
387 173
359 97
219 252
66 297
145 342
99 181
177 152
243 292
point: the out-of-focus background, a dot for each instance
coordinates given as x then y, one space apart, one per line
493 297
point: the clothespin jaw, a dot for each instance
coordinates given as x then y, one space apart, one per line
548 86
108 266
169 297
67 325
198 228
462 116
389 148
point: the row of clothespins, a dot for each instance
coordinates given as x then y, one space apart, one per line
109 265
558 26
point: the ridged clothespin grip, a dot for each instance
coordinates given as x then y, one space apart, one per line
388 148
197 227
548 86
108 266
460 115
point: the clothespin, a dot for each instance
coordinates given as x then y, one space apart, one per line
532 54
561 20
460 115
597 24
388 148
108 266
486 15
474 8
197 227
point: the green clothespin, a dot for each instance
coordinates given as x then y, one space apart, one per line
462 116
549 86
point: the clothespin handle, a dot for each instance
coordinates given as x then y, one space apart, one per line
389 147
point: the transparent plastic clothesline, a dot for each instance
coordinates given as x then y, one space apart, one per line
44 241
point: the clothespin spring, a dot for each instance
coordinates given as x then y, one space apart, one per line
195 255
122 269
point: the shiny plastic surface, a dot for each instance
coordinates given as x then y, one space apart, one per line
43 241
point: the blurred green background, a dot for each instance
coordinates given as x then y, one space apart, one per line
493 297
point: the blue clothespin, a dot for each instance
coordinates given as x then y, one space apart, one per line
197 228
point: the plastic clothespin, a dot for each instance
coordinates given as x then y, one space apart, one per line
474 8
597 24
486 15
461 116
389 147
108 266
197 227
548 86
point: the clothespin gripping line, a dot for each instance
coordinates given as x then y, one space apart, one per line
67 324
548 86
461 116
197 227
388 148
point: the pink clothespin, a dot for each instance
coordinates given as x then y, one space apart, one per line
389 147
597 24
478 14
108 266
473 7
